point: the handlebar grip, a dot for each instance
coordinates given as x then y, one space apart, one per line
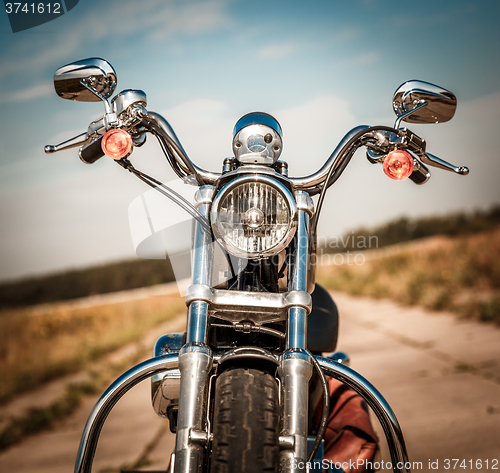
90 153
420 174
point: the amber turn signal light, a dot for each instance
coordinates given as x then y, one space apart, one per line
398 165
116 144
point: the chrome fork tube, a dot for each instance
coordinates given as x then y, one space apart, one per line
295 371
296 368
297 316
195 358
201 268
195 363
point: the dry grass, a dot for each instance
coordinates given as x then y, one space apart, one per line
36 348
461 274
39 419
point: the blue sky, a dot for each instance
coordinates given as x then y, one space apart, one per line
320 67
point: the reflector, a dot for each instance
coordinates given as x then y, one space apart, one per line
398 164
116 144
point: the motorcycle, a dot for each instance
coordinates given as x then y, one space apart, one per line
235 386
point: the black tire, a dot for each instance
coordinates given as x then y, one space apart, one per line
245 422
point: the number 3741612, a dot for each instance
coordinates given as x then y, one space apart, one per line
455 464
20 8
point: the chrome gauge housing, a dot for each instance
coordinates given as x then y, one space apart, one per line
257 139
254 216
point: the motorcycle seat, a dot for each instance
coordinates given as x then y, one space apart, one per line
322 323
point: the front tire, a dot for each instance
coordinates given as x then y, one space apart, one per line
245 422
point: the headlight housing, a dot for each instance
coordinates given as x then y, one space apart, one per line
254 216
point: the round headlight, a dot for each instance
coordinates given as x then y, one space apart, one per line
254 216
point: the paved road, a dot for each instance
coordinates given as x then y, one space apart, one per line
441 376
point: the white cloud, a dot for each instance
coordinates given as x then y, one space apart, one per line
190 19
311 132
28 93
156 19
361 60
285 49
276 51
344 35
204 128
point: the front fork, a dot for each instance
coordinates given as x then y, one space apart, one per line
296 368
195 358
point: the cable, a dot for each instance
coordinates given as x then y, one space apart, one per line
174 196
170 157
326 408
253 328
175 147
346 158
179 200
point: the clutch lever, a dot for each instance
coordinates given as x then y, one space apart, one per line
432 160
79 140
95 129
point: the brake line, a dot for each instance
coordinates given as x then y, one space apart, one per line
326 408
179 200
346 157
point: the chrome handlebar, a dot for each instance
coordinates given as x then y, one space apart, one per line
313 184
210 178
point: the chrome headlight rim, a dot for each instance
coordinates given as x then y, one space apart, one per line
258 178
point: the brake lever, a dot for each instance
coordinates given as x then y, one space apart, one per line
432 160
416 144
79 140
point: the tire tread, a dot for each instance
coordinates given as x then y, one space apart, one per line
245 422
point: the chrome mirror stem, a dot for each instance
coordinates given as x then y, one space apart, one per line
407 114
110 118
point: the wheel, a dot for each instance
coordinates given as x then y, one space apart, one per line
245 422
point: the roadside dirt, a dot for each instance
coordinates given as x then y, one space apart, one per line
440 375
